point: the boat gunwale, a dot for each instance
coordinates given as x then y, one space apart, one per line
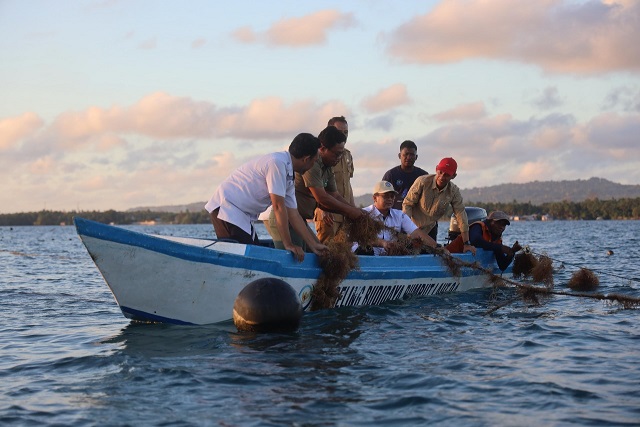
277 262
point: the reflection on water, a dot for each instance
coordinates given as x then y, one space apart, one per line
165 340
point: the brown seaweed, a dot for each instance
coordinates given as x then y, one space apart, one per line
543 271
523 264
336 265
584 280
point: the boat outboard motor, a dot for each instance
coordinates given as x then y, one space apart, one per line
473 214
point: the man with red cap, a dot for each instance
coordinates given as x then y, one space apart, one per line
429 196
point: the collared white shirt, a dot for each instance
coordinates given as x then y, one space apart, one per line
244 194
396 220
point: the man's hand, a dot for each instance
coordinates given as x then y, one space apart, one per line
297 252
516 247
319 249
469 248
355 213
327 218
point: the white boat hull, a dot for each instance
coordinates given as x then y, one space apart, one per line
196 281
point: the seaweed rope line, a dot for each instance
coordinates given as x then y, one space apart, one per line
622 299
579 266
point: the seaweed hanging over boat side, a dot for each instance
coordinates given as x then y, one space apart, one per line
453 264
403 245
363 230
336 266
340 259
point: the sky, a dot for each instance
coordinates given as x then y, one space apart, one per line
114 104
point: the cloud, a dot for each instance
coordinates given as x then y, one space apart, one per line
510 148
42 166
41 35
94 183
166 147
308 30
159 129
472 111
149 44
613 135
387 99
198 43
384 122
501 148
534 171
625 98
158 115
502 138
548 99
15 129
560 36
103 4
164 116
245 35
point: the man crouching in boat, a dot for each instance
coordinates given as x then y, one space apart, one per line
487 235
395 221
268 180
317 187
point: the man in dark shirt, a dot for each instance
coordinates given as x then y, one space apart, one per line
403 176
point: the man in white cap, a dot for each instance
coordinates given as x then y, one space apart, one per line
395 221
487 235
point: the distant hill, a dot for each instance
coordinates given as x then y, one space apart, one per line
191 207
536 192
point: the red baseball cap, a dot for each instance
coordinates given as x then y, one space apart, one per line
448 166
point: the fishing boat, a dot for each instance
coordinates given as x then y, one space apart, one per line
185 280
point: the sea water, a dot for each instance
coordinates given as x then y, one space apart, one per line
69 357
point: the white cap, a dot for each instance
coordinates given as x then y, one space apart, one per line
383 187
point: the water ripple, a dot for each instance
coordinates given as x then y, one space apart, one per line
69 357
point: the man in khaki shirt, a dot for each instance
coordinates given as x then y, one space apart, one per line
327 224
429 196
317 186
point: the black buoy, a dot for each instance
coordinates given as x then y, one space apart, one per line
267 305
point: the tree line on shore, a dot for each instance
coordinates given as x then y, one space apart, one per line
625 208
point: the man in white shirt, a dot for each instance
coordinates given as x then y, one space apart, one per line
395 220
268 180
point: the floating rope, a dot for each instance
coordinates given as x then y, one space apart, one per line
340 261
593 269
529 292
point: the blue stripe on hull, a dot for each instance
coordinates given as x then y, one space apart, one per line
258 258
280 263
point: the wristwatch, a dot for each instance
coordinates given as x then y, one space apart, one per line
467 243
